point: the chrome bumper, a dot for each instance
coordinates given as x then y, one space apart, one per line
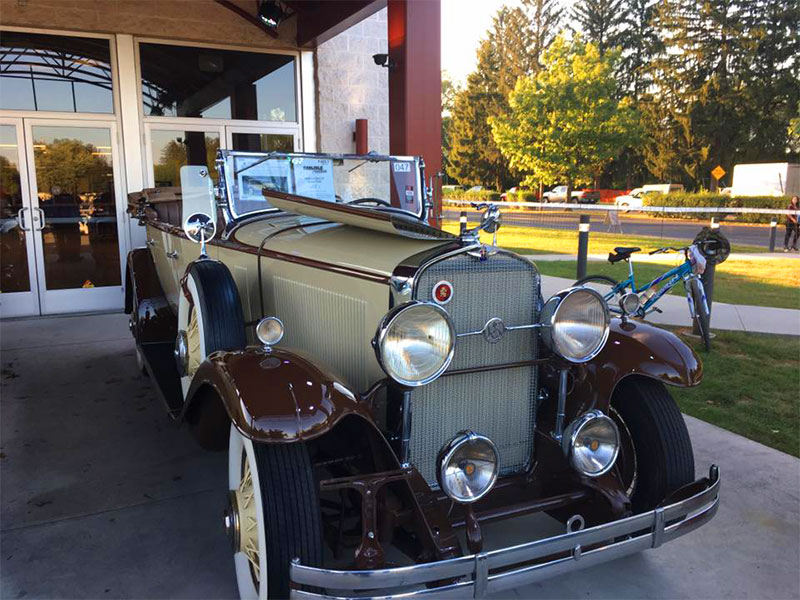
472 573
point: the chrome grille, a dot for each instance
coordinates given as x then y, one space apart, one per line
501 403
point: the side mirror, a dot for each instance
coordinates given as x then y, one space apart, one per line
197 198
199 227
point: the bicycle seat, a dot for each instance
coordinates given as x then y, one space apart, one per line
621 253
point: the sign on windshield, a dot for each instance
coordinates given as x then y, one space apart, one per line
375 182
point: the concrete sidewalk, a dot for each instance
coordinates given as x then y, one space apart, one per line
103 497
732 317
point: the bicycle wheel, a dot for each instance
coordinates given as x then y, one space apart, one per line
604 285
700 312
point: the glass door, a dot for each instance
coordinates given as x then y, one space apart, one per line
77 209
18 289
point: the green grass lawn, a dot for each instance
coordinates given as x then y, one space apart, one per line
757 282
750 386
535 240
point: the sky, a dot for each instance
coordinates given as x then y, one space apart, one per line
464 24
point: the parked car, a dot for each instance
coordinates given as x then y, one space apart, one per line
635 198
476 188
380 385
504 196
559 194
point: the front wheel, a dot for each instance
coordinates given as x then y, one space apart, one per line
273 515
655 457
697 298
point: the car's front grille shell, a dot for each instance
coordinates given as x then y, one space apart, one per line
499 403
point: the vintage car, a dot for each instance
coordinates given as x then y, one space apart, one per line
385 388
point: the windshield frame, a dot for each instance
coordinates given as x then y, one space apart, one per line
225 190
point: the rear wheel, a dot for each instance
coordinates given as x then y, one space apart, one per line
656 455
697 298
273 514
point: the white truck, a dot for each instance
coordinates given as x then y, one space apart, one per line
634 199
766 179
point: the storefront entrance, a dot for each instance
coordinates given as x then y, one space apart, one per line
62 211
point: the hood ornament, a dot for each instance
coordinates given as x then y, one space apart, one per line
491 219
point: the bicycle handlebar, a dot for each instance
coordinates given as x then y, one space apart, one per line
668 249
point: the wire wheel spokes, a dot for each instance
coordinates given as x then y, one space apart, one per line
248 519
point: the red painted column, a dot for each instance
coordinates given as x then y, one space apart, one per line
415 84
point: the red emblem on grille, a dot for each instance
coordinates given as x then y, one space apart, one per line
443 292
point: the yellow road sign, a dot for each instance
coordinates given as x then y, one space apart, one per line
718 172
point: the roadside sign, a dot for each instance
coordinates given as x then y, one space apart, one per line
718 172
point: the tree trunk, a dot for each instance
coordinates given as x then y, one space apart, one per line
568 199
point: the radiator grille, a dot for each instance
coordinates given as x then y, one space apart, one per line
500 404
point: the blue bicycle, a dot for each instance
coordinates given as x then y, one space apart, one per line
627 299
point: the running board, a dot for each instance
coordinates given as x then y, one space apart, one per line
159 361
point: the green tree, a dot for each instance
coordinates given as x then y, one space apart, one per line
640 42
503 57
602 22
70 165
450 90
566 123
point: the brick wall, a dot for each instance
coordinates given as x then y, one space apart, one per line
351 86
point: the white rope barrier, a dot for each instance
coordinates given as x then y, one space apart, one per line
652 209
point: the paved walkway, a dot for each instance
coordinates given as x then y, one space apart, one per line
103 497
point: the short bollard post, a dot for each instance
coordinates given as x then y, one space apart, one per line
583 245
708 287
773 228
463 222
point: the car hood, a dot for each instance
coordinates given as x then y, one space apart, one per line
348 247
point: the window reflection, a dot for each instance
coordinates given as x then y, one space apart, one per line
75 185
172 149
179 81
55 73
263 142
13 249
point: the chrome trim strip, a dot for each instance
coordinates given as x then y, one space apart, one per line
640 532
505 327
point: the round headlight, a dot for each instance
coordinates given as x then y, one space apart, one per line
592 443
576 324
468 466
415 343
629 303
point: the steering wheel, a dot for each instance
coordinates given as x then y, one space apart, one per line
368 199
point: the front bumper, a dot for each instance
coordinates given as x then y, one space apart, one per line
498 570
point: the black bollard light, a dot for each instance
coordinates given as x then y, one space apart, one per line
583 245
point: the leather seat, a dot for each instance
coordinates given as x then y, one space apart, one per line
622 253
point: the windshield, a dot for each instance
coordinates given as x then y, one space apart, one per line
381 182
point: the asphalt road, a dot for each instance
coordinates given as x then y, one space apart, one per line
752 235
103 497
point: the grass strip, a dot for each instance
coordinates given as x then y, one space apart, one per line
773 283
750 387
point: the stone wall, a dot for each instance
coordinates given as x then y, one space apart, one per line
351 86
191 20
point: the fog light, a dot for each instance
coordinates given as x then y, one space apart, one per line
629 303
269 331
468 467
592 443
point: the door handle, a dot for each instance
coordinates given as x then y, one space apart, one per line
150 242
41 215
173 254
21 219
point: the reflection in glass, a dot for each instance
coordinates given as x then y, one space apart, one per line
75 184
13 250
172 149
263 142
55 73
181 81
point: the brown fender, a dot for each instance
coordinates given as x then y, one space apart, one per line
275 396
636 348
152 319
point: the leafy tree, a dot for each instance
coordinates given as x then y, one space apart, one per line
450 90
640 42
503 57
602 22
565 123
70 165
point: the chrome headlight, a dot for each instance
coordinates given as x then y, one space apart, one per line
592 443
575 324
415 342
468 466
629 303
